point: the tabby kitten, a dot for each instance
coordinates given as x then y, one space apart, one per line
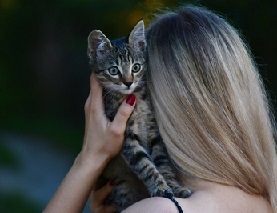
143 168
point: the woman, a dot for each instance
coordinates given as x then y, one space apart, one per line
213 116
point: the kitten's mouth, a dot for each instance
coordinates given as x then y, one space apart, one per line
127 88
127 91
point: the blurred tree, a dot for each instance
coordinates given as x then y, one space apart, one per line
44 70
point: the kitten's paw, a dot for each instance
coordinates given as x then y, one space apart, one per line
164 192
183 193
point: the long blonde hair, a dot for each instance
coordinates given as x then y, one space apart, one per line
210 102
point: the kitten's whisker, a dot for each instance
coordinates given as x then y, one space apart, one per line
110 91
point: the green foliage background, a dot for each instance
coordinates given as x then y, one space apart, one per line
44 72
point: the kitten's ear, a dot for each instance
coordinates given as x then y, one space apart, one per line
137 37
98 44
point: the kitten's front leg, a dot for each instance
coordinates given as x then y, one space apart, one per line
141 163
162 162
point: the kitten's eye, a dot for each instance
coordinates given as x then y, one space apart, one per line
136 68
113 70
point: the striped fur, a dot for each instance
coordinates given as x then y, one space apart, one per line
143 169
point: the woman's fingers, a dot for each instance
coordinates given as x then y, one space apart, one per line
109 209
103 137
96 103
104 209
119 123
97 199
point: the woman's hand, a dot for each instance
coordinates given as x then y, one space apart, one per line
97 199
103 139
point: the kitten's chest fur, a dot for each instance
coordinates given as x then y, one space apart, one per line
141 121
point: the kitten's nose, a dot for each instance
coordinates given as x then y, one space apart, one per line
128 84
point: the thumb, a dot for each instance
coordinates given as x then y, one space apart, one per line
123 114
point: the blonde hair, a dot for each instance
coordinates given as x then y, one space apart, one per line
210 102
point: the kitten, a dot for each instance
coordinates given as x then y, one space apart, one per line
143 169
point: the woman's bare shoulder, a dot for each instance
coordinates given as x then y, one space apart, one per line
155 204
214 198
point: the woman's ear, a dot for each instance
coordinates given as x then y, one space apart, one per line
137 37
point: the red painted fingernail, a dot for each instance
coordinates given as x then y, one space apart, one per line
112 182
131 99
